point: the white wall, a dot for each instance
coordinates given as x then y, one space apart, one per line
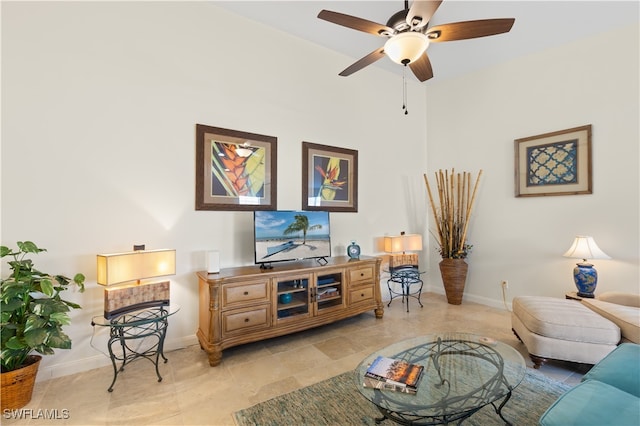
100 103
472 124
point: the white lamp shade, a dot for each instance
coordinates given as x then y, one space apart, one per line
406 47
403 243
585 247
392 244
413 242
136 265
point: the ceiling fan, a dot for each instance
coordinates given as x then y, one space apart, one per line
409 35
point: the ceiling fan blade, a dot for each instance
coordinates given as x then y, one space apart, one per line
422 68
469 29
367 60
356 23
421 12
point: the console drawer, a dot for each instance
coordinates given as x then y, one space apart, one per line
243 293
360 274
360 294
234 321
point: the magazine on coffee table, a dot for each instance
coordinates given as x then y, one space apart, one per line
395 372
368 382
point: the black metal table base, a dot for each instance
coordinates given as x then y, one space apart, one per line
406 278
403 419
124 334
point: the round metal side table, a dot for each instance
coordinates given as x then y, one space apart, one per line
124 329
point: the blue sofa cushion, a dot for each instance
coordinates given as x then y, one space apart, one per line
620 369
593 403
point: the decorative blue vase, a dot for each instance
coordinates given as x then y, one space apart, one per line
586 279
286 298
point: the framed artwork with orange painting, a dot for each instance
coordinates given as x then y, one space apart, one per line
235 170
329 178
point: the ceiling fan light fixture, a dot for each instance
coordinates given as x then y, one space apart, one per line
406 47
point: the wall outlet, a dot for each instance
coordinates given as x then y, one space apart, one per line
505 284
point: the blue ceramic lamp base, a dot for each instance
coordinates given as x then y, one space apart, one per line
586 278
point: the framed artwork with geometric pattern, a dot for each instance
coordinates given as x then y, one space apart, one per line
556 163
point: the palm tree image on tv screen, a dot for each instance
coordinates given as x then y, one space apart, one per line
291 235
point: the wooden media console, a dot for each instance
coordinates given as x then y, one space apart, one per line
248 304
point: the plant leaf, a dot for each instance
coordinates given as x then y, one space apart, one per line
15 343
57 339
35 337
10 306
29 247
34 322
72 305
79 280
60 318
45 307
47 287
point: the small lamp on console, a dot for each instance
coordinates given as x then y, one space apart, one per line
403 243
584 274
122 275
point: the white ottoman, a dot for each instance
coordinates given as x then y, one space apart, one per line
562 329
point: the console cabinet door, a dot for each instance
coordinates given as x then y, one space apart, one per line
292 295
330 291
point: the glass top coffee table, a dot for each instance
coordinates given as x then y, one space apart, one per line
462 374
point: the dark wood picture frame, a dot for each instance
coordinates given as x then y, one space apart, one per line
556 163
329 178
235 170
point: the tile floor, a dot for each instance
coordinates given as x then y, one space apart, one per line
193 393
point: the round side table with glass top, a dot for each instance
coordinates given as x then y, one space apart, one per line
149 324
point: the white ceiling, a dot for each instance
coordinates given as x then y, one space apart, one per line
539 25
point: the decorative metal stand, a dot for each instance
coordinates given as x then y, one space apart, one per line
406 277
150 324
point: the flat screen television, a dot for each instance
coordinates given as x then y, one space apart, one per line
285 235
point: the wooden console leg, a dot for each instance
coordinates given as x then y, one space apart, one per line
537 361
215 358
379 312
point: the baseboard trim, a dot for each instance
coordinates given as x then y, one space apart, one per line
53 371
470 298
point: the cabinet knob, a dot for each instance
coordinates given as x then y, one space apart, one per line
246 293
246 320
362 274
361 294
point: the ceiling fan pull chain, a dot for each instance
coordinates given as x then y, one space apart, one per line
404 91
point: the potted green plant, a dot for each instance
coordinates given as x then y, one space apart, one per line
32 314
452 214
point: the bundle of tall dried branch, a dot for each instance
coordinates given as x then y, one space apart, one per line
453 212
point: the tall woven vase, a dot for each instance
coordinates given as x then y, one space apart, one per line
454 276
17 385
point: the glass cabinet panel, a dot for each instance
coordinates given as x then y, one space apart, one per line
329 290
292 297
